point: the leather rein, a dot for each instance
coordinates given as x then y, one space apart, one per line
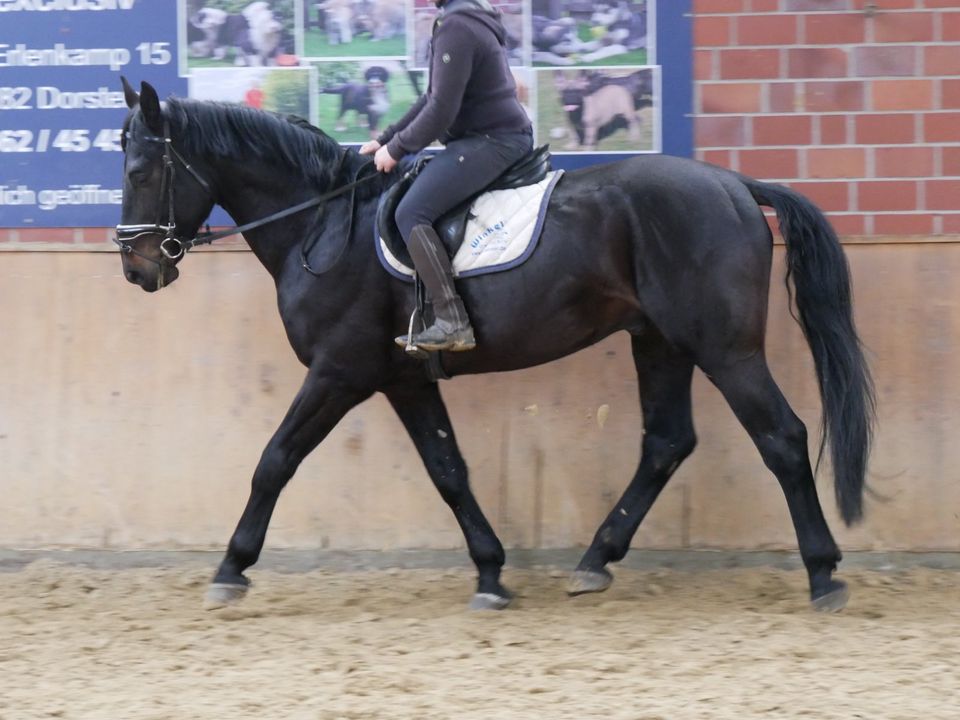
174 248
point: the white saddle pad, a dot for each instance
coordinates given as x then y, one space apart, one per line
503 228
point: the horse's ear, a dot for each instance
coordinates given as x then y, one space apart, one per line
129 94
150 107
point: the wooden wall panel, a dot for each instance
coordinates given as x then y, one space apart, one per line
133 421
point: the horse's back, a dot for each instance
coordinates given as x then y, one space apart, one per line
661 204
696 188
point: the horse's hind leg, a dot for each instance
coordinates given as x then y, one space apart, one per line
424 415
664 376
781 438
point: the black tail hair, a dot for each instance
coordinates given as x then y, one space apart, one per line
824 309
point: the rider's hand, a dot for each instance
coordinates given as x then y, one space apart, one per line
384 160
369 147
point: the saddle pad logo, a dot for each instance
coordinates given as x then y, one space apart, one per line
494 238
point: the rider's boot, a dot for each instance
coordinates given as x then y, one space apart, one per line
451 328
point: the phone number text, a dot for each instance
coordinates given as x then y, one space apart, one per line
45 140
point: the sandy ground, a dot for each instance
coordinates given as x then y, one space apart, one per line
126 644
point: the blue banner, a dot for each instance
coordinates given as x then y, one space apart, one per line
61 104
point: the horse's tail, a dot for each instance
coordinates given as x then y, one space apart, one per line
821 277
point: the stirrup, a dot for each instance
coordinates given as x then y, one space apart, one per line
406 341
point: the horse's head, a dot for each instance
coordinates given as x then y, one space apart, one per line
165 198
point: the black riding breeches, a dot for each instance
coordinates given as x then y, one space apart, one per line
462 169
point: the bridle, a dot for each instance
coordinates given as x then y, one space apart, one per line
174 248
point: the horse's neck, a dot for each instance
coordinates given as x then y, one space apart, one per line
248 196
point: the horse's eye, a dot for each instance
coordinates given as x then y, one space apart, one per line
137 177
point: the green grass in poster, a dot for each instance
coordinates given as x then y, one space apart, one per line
315 45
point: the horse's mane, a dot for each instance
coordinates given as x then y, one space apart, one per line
243 133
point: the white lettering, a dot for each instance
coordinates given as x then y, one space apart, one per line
55 5
79 195
51 98
66 140
20 195
22 56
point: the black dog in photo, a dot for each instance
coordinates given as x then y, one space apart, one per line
598 105
369 99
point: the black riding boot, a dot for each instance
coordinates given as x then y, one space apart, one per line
451 328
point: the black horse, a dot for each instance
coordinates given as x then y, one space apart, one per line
673 251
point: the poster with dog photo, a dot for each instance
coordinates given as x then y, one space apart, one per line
525 78
599 110
344 29
289 91
236 33
574 33
357 100
512 13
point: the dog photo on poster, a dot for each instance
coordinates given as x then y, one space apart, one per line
585 71
357 100
287 91
236 33
339 29
599 110
568 33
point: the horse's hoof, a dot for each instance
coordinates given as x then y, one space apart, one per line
589 581
221 595
488 601
834 600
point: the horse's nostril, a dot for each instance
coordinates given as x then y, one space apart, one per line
133 276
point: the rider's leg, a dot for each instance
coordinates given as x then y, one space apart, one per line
461 170
451 329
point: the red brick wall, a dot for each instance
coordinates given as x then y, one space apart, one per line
855 103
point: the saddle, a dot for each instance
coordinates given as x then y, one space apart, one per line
528 170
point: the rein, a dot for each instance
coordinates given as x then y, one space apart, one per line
174 248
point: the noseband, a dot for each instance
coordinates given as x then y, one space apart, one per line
174 248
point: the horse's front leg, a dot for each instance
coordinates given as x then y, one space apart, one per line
318 407
424 415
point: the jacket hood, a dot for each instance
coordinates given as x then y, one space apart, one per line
481 11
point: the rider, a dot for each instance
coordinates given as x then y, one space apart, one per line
471 105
